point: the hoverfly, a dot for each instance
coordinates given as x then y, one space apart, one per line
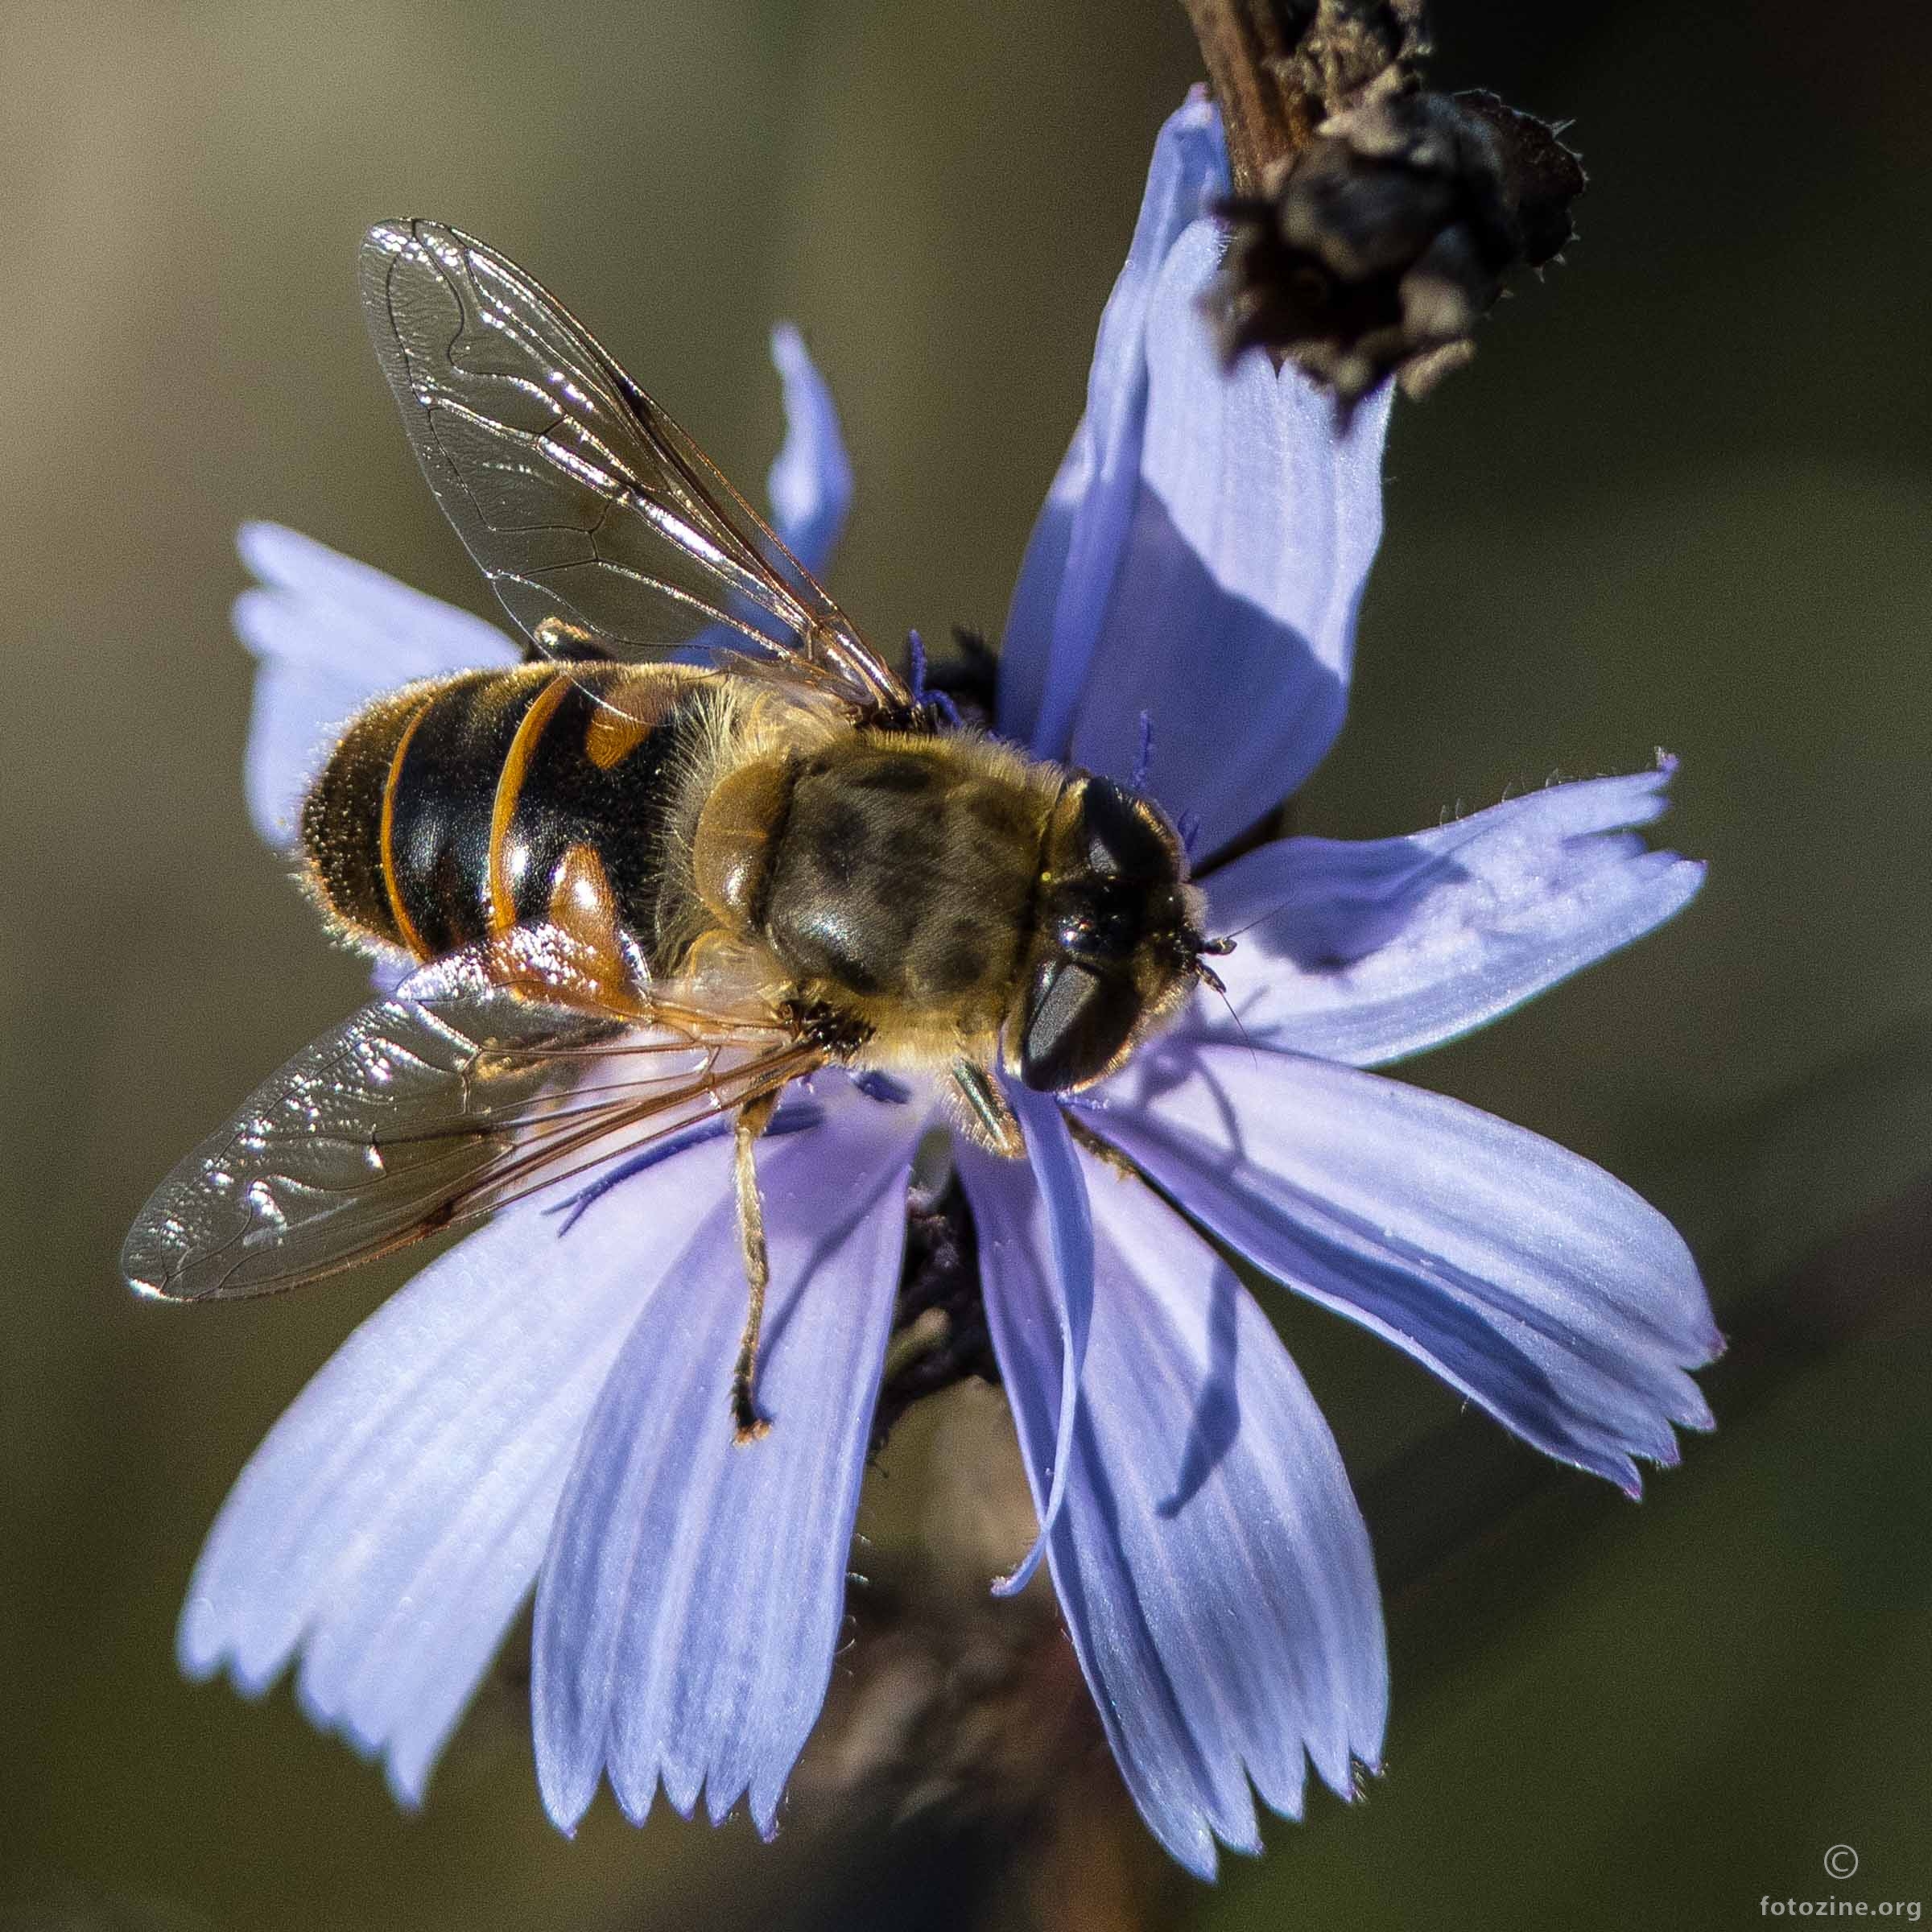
642 894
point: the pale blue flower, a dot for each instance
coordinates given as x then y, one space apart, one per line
542 1407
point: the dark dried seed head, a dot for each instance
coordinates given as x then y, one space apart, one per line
1348 49
1380 244
1540 176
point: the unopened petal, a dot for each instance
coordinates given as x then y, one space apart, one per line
1366 952
691 1599
391 1524
1526 1278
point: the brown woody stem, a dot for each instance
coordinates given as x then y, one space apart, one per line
1266 112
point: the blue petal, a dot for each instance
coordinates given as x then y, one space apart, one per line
1210 1561
691 1601
1525 1277
390 1526
809 485
1231 620
1364 952
1203 549
1062 1193
1061 595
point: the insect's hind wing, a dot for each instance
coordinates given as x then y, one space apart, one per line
594 516
458 1093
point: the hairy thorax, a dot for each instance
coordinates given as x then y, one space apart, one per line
891 876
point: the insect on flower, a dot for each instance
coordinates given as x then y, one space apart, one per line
685 971
706 882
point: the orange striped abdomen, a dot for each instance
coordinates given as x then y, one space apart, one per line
457 808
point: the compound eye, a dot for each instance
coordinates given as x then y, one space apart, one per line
1077 1022
1123 838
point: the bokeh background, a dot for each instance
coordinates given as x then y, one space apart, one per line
1681 499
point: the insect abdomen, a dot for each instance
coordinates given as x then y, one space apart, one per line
449 811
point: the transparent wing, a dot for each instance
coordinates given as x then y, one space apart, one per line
458 1094
599 522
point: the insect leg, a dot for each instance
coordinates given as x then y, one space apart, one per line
747 1126
990 1120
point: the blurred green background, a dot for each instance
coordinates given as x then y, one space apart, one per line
1681 499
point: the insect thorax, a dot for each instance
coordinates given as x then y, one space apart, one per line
895 874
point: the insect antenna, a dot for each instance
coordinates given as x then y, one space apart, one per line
1260 918
1214 980
1219 948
